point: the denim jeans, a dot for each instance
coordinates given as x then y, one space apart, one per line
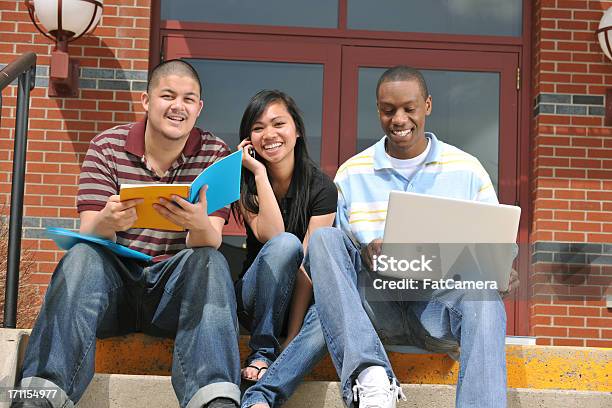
286 373
93 293
352 325
264 294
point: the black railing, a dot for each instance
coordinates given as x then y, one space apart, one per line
24 68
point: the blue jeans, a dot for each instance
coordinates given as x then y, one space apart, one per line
352 325
264 294
286 373
93 293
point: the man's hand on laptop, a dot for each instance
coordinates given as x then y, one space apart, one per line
368 252
514 283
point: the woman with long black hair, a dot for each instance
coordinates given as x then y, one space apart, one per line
284 198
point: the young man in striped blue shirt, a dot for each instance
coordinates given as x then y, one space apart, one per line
408 159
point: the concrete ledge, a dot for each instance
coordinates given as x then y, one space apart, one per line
130 391
12 348
539 367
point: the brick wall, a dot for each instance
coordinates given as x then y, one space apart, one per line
571 177
114 63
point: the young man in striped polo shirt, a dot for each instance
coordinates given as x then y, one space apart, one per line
186 293
409 159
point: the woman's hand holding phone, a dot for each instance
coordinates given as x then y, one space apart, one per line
248 158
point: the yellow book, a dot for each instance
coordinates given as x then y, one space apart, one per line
223 181
148 217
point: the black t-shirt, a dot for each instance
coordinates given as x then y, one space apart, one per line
323 200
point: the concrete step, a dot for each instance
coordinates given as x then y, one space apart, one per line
137 391
133 371
529 366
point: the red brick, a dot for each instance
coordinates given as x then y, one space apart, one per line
572 25
553 204
587 120
599 216
543 341
599 322
588 15
556 13
583 311
586 142
134 12
586 163
600 238
57 201
570 152
554 161
550 310
577 89
569 236
568 321
600 174
550 331
132 33
570 215
586 227
568 342
599 68
570 173
555 35
585 184
594 58
554 120
587 79
599 343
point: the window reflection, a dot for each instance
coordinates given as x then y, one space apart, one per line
311 13
468 17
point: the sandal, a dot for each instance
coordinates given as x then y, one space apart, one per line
259 369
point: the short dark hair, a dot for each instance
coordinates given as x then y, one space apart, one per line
173 67
403 73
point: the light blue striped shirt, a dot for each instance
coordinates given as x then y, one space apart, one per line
366 179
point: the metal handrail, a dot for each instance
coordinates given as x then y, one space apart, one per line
23 69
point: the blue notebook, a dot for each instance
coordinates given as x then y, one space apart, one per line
66 239
223 179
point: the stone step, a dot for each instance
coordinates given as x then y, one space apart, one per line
529 366
137 391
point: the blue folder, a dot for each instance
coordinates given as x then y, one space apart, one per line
66 239
223 179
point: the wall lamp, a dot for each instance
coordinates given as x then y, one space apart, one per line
63 21
604 33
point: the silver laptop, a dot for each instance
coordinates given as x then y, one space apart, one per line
433 238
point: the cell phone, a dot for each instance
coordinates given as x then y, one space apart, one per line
251 151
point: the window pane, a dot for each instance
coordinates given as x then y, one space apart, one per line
312 13
229 85
465 112
469 17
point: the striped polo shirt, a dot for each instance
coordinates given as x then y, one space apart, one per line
365 181
116 157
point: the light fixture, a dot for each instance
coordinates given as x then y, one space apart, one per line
604 33
64 21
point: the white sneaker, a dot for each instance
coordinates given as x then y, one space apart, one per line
370 396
